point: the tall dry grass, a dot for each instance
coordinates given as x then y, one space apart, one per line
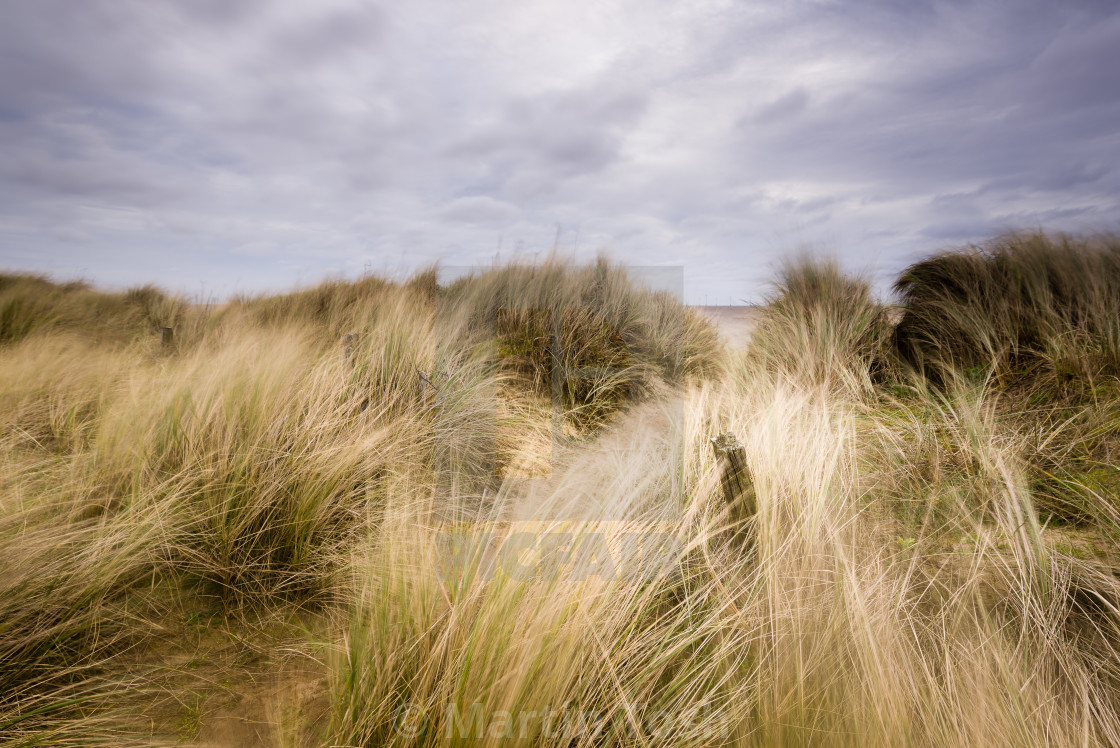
929 563
812 624
895 587
238 464
821 327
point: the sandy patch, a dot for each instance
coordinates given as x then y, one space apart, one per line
734 322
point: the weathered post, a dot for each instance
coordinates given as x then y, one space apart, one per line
734 478
348 341
166 337
425 383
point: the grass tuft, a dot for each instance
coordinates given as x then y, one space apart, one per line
398 513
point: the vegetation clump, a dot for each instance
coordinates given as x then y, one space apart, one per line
822 327
1016 303
380 513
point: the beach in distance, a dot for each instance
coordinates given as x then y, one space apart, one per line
543 502
734 322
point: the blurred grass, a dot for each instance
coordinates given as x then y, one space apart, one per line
251 526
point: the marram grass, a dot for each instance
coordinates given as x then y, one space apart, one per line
374 513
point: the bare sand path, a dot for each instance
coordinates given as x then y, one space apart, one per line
734 322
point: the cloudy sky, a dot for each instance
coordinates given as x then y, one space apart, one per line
214 146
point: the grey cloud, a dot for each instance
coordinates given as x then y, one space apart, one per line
263 143
956 230
1055 176
784 107
323 40
479 209
542 138
922 132
217 13
1077 69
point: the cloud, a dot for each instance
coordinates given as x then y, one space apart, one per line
783 107
479 209
252 145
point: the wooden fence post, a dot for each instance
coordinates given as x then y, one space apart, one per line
166 337
734 476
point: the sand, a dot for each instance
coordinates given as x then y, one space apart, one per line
734 322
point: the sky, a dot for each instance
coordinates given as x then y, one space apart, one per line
214 147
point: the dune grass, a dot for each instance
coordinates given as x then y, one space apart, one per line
31 303
1018 302
491 511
